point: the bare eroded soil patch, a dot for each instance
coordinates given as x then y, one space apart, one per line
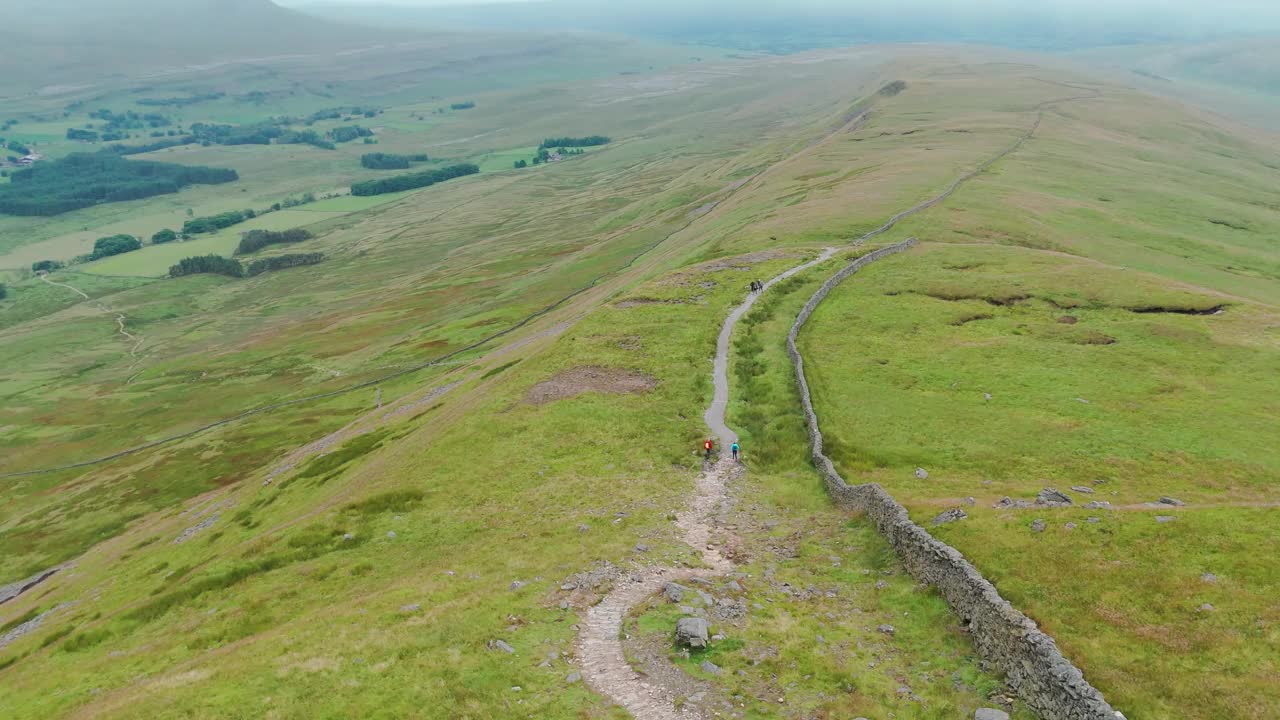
589 378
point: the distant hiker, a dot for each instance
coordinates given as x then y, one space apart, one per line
707 446
759 286
734 448
753 287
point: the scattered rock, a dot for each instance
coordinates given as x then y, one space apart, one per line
674 592
970 501
1209 578
734 586
880 584
1206 608
1082 489
391 535
348 536
1165 518
710 667
1097 505
922 474
1175 502
515 689
1008 502
950 516
1064 320
583 527
501 645
569 587
990 714
886 629
410 608
1037 526
517 585
1052 498
1070 526
196 529
574 678
641 548
729 609
1082 401
1094 520
692 633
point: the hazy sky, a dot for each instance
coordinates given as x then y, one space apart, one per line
1077 18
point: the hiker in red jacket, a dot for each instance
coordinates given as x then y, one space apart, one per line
707 446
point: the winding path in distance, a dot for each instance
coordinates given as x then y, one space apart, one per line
120 318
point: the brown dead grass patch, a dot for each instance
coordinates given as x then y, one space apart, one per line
588 378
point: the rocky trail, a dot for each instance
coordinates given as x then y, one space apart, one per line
604 664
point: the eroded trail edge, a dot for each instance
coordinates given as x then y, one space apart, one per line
1010 641
604 665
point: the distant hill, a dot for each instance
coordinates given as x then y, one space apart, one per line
1239 77
50 42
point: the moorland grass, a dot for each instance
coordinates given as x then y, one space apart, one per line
902 358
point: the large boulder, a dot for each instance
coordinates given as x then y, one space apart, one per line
674 592
990 714
692 633
950 516
1052 498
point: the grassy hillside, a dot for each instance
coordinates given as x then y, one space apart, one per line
359 550
1093 325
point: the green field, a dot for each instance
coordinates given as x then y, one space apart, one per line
430 470
1130 405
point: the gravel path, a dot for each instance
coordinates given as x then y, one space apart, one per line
604 665
720 404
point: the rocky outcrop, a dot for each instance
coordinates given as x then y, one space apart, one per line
1006 638
13 590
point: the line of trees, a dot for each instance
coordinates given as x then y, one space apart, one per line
388 161
230 267
568 142
399 183
463 105
207 264
347 133
164 236
255 240
214 223
119 149
180 101
281 262
82 180
114 245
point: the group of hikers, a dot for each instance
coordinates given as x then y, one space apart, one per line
708 445
757 286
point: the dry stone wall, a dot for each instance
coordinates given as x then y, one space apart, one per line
1008 640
